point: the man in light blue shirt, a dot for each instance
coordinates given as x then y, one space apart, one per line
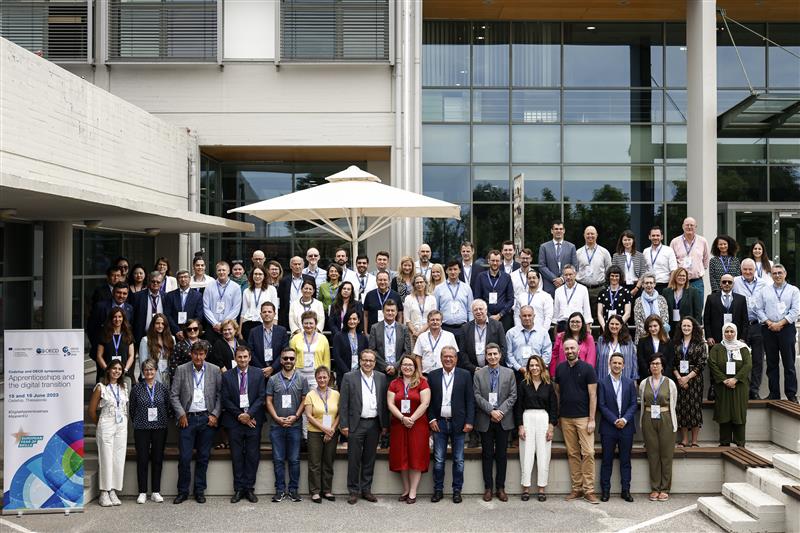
454 300
777 308
222 301
748 285
524 340
313 269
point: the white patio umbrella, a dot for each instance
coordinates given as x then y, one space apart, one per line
350 194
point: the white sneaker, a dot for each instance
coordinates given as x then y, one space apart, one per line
113 496
105 500
142 498
156 497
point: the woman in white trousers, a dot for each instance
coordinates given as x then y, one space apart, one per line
111 396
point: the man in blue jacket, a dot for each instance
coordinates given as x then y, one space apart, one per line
617 399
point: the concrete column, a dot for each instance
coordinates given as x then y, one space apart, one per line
701 149
57 281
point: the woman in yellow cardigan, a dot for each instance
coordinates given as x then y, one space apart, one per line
311 349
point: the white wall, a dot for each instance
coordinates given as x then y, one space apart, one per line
249 29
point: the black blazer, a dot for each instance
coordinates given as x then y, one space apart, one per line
285 294
255 340
222 355
172 305
141 306
341 352
714 314
350 400
101 292
644 351
97 319
476 271
462 400
467 358
335 319
256 388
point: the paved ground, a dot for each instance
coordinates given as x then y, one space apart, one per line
387 515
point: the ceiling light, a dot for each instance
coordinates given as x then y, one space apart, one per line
152 232
591 27
7 213
92 224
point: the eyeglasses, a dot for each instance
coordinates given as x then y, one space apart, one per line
193 329
726 282
312 255
287 359
370 361
656 363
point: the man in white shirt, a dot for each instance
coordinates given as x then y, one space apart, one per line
508 251
660 258
749 285
366 281
313 269
423 264
340 256
536 297
592 262
469 270
570 297
428 348
519 277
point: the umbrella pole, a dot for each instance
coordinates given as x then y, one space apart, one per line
354 230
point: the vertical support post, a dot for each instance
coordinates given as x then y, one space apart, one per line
57 282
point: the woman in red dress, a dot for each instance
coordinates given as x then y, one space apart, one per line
409 450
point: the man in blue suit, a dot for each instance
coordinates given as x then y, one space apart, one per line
146 304
182 304
617 400
553 255
267 340
243 392
451 415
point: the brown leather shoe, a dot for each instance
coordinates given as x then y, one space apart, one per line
353 498
487 495
369 497
574 495
591 498
502 496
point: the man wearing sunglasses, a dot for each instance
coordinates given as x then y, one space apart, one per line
724 307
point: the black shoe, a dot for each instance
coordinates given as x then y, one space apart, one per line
542 497
754 396
437 497
626 495
295 497
793 399
604 496
457 497
199 497
251 496
279 496
180 498
237 496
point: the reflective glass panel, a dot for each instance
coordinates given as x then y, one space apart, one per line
445 54
741 150
490 184
784 68
784 151
536 144
447 183
610 220
490 144
621 184
490 54
446 235
676 54
675 184
541 183
676 144
536 54
445 144
612 144
741 184
538 219
445 105
251 183
492 226
784 183
531 107
613 106
490 106
752 51
675 104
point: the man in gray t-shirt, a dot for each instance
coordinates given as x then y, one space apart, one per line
286 392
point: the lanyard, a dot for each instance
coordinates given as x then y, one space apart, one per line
233 348
324 400
530 297
117 340
307 306
628 262
678 299
730 355
353 337
309 343
362 282
489 277
617 384
725 266
198 381
569 298
522 276
154 303
115 393
383 301
184 295
527 335
688 248
613 348
777 294
494 379
685 350
467 273
654 259
221 290
242 381
151 392
389 332
287 385
298 286
421 306
751 287
447 384
256 297
759 269
267 338
454 295
589 257
656 390
371 385
430 341
406 386
481 332
612 296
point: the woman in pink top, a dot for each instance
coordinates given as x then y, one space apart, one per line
576 329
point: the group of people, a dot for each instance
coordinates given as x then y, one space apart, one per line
456 354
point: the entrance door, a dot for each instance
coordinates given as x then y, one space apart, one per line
779 229
788 241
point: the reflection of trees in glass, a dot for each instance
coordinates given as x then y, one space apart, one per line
486 192
680 191
538 219
737 184
548 195
609 219
492 226
785 184
445 236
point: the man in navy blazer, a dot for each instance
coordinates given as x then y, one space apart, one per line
617 401
147 303
553 255
451 415
242 395
267 340
182 304
289 290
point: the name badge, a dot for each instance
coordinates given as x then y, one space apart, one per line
480 348
687 262
455 307
308 360
354 361
493 399
244 401
405 406
327 421
447 411
684 367
152 414
182 317
526 351
492 297
119 416
233 364
116 358
373 402
267 354
676 315
162 365
380 316
220 307
727 318
197 396
730 368
781 308
286 401
655 411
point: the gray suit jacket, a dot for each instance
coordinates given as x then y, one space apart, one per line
507 396
183 389
402 339
350 400
548 263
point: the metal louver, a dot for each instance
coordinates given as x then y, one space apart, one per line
58 31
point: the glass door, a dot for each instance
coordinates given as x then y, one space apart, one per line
788 242
751 226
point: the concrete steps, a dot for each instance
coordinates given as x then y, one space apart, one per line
90 485
726 515
743 508
788 463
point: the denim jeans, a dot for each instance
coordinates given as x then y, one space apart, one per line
286 448
197 435
456 437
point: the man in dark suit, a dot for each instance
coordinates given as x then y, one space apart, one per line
723 307
553 255
104 291
376 299
182 304
145 305
469 269
451 415
476 334
617 400
509 251
495 288
289 288
363 418
99 314
389 340
267 341
243 394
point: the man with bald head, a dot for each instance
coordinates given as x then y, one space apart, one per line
749 285
592 262
258 259
289 288
423 264
692 253
312 267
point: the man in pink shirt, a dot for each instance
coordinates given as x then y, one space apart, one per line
692 252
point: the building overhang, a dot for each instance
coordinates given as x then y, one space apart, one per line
762 115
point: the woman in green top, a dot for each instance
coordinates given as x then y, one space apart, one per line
328 290
730 364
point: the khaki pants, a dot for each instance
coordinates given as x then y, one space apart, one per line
659 439
580 453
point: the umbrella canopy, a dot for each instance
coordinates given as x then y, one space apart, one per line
350 194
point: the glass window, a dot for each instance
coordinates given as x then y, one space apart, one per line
784 184
445 144
490 106
100 249
676 144
612 144
784 151
445 54
492 226
490 184
742 184
784 68
531 107
613 54
536 54
538 219
446 235
676 213
741 150
16 249
443 105
490 54
536 144
676 55
251 183
728 99
610 220
621 184
675 104
447 183
541 183
613 106
490 144
675 184
752 51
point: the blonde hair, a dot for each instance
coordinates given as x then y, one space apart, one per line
400 275
230 322
416 377
545 373
443 278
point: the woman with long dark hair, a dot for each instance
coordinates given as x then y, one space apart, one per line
343 304
577 330
117 342
723 260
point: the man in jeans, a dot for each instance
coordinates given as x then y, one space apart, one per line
576 387
286 392
451 414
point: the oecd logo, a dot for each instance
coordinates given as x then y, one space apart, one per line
39 351
67 352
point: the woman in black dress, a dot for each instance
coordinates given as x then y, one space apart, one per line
690 359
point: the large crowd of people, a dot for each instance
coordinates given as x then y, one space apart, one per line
468 353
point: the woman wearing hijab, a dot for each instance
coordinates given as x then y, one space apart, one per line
730 364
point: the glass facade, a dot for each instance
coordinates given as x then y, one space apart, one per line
593 116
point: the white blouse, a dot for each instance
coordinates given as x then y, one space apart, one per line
251 306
